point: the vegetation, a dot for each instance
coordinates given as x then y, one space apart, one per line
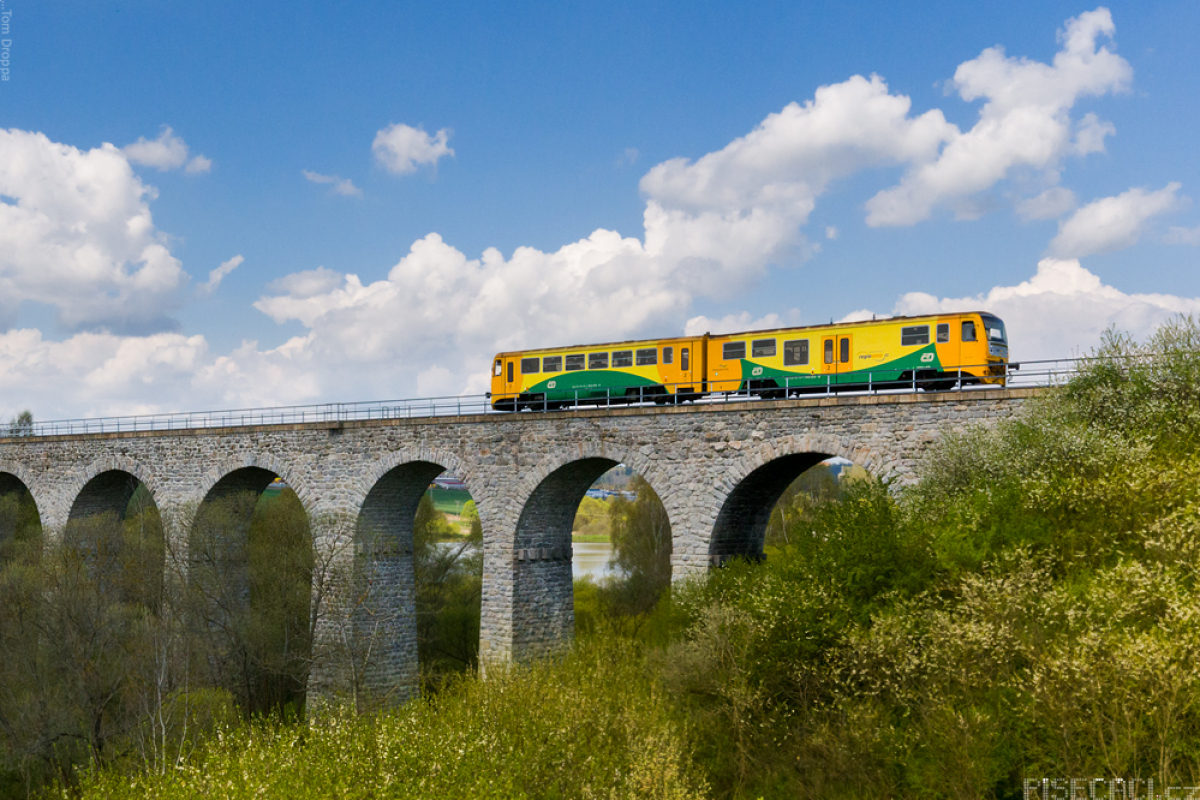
449 587
1029 609
21 424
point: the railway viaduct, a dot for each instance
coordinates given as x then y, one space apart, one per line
718 469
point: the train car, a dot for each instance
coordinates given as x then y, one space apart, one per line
928 352
660 370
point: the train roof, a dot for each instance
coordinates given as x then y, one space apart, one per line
669 339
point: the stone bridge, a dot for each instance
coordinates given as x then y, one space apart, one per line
718 468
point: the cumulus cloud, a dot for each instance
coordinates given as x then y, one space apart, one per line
342 186
78 236
167 152
1050 204
1025 121
101 374
215 277
1112 223
401 149
745 321
1060 311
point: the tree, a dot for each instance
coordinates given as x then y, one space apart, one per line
21 424
641 536
449 585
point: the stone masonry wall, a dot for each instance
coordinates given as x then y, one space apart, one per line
717 469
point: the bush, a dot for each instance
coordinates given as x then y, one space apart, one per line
593 725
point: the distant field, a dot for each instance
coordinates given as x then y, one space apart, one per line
448 501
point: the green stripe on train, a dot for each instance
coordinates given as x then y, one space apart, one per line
589 385
925 358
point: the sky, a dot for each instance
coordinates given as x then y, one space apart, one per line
207 206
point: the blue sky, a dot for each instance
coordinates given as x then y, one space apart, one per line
397 191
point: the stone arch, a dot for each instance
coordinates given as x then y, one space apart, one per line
128 562
264 463
107 484
383 492
751 486
543 598
222 577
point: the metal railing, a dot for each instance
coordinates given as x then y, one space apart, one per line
1026 374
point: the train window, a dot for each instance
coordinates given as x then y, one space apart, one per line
795 353
529 366
575 362
668 355
683 359
732 351
552 364
597 360
510 371
844 349
622 358
913 335
647 357
829 351
499 367
762 348
943 332
968 330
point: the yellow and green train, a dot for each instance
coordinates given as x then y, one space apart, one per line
929 352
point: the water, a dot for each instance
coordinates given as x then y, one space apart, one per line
591 558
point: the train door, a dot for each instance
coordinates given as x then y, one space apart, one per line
510 376
845 351
836 351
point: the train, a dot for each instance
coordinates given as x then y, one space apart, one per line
933 352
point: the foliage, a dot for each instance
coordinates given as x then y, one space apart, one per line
594 725
815 487
449 584
593 518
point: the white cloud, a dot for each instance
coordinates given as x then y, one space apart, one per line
1177 235
217 275
1024 122
1050 204
1061 311
166 152
628 156
79 237
831 232
401 148
745 321
342 186
1111 223
198 165
101 374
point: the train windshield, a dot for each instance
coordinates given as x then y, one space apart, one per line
994 328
